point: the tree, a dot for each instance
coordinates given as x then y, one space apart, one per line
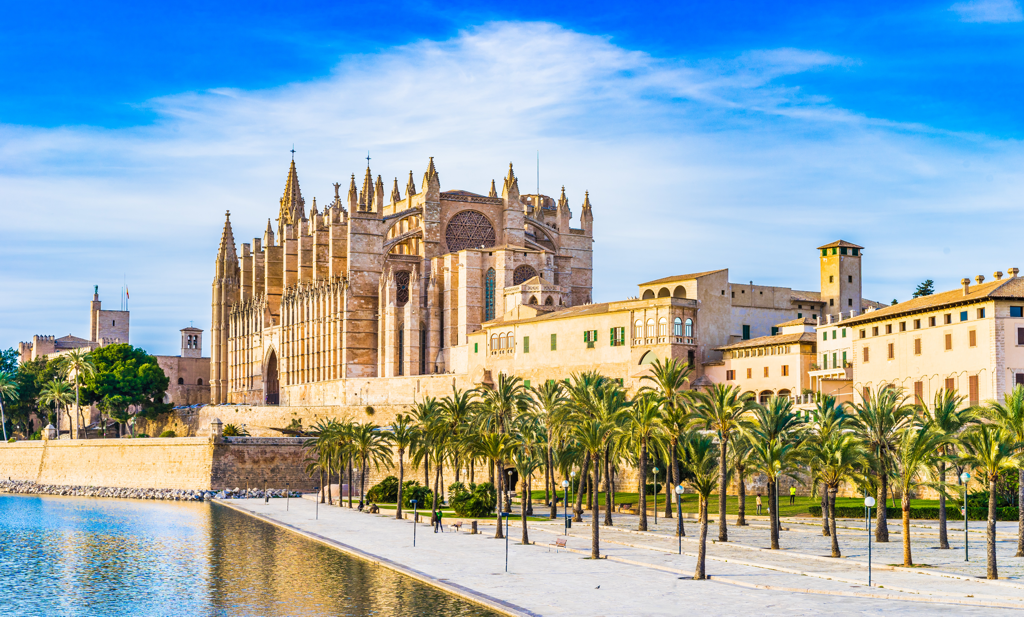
950 417
926 288
526 461
582 389
741 454
916 450
458 409
58 394
991 450
372 446
836 457
1009 416
548 402
669 380
78 365
9 360
29 379
827 418
774 435
721 409
496 447
9 391
643 419
700 462
404 435
124 378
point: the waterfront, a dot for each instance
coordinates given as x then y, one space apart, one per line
78 556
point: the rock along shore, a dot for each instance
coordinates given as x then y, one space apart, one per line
163 494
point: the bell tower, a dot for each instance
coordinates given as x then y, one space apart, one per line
840 277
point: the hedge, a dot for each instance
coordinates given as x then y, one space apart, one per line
952 513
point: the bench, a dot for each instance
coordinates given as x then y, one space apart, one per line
559 543
457 526
627 507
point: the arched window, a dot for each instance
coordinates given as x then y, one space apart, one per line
549 302
533 299
181 381
494 341
648 294
638 329
662 327
650 327
764 397
664 292
489 295
522 274
677 327
510 340
501 341
199 382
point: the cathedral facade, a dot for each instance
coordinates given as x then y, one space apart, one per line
381 285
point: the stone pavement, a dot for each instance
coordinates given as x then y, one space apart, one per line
644 575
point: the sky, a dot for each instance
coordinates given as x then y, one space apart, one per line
709 135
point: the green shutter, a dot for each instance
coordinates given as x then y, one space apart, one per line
554 342
476 347
526 382
526 349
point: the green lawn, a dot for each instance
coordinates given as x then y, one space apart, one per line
689 502
449 513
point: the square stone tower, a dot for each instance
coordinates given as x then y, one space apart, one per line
191 343
840 277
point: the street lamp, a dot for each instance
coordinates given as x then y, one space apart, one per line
287 496
964 477
508 491
572 481
415 515
679 513
655 495
565 506
869 502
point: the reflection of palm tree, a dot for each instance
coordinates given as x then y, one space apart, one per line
77 364
58 394
993 451
9 391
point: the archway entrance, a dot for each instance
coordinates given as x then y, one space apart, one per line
271 392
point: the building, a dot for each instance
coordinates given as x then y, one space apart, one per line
384 285
105 328
832 371
774 365
189 373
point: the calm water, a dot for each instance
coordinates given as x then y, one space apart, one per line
76 556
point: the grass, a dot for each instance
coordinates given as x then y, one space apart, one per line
449 513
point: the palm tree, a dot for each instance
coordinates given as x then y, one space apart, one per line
645 430
827 418
499 407
581 389
993 451
404 435
774 436
949 416
77 364
721 409
373 447
1009 416
700 462
57 393
9 391
669 379
877 421
836 457
496 447
915 452
458 409
526 459
741 454
548 401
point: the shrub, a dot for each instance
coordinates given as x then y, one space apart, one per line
36 436
168 434
929 513
11 440
385 491
232 430
141 436
477 501
413 490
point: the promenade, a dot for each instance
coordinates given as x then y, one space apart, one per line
644 574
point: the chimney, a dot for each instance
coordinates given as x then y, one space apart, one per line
997 275
980 278
967 285
1012 272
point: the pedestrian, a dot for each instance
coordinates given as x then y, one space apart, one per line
440 525
792 495
759 504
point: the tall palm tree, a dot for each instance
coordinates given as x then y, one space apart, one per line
580 389
721 409
993 451
836 457
77 365
1009 416
645 429
826 419
548 401
428 416
701 463
499 407
458 409
774 433
950 416
56 392
9 391
916 450
741 454
526 458
372 446
669 380
878 420
404 435
496 447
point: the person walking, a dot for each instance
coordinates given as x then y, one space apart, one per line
759 504
792 495
437 522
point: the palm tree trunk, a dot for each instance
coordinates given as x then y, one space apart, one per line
401 478
529 495
426 470
990 534
881 526
553 514
433 499
825 525
669 480
3 419
330 500
362 479
908 560
577 513
525 497
1020 513
321 485
698 574
723 532
741 518
643 485
609 489
595 544
78 414
773 487
831 500
943 540
499 477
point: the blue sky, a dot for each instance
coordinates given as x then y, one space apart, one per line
728 134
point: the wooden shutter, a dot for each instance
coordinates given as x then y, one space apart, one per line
919 392
1020 336
892 351
950 384
973 336
972 387
949 342
917 346
866 353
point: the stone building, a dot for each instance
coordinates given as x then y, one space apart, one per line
382 285
189 373
105 328
774 365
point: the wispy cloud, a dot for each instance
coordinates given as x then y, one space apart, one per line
691 163
988 11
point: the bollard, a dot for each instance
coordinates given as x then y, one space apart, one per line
473 530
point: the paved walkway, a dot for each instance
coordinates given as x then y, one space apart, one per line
644 575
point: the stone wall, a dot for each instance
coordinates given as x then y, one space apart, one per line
173 463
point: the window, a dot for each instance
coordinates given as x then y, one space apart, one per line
950 384
844 332
831 301
730 375
590 338
638 329
834 365
981 313
746 333
494 341
931 322
842 250
917 347
888 328
824 252
526 383
662 327
866 354
824 336
949 342
919 392
785 370
766 371
799 315
1017 311
554 342
849 302
849 277
750 372
775 330
677 327
688 328
892 351
863 333
526 344
972 338
1019 379
963 315
618 337
1020 336
917 324
874 331
903 326
181 381
833 335
489 295
972 389
824 360
844 359
831 279
947 318
199 382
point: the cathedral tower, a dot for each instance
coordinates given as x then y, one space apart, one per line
225 295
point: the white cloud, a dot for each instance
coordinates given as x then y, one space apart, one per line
988 11
691 164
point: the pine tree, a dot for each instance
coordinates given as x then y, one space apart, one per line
926 288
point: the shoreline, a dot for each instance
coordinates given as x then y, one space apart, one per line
25 487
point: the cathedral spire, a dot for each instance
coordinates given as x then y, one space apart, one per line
410 187
431 172
395 195
366 195
292 205
313 212
494 191
227 241
510 180
563 202
353 195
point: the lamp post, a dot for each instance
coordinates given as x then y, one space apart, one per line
506 515
565 506
508 490
317 500
572 481
287 496
679 512
414 516
964 477
869 502
655 495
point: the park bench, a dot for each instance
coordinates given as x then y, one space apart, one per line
457 526
559 543
627 507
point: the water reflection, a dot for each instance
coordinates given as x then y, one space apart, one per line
75 556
